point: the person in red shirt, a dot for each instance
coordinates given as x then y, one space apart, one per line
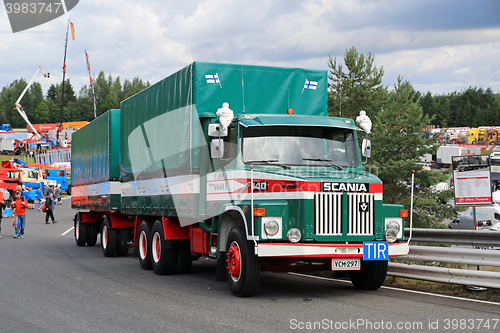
20 204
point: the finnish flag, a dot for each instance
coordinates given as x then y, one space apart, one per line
310 85
212 78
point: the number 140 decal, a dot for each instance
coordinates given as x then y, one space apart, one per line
260 186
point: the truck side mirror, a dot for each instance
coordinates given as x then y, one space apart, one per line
216 130
217 148
366 148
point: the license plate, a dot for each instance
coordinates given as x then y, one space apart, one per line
345 264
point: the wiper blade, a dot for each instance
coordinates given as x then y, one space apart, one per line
270 162
324 160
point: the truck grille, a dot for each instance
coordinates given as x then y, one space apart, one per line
328 209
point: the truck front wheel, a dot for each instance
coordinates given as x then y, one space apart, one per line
243 266
371 275
108 238
164 260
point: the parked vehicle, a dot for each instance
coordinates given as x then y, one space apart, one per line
236 163
486 212
467 223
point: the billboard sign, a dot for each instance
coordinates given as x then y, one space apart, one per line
472 179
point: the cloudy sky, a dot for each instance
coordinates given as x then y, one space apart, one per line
438 45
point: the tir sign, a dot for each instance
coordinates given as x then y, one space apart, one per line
375 251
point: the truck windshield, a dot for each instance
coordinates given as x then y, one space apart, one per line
300 145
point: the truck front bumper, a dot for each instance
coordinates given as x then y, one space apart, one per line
338 250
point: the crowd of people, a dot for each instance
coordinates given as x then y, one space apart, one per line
30 198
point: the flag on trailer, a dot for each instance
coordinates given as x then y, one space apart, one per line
72 30
212 78
310 85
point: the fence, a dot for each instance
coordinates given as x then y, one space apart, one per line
49 157
457 255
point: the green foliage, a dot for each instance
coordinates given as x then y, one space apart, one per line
472 107
397 146
360 88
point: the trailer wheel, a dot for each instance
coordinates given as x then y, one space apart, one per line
371 275
243 266
80 231
164 260
144 242
122 242
92 232
108 238
184 262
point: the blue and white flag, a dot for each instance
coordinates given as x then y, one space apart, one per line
310 85
213 79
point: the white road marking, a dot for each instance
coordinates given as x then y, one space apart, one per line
404 290
67 231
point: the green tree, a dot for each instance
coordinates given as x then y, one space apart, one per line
397 148
42 113
360 88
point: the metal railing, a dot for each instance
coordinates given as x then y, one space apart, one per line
456 255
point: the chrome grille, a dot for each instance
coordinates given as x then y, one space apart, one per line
328 214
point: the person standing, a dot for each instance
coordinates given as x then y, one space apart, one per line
20 204
39 198
2 207
31 198
58 195
48 208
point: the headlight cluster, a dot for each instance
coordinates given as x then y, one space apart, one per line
392 229
271 228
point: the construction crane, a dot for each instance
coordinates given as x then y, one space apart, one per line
20 108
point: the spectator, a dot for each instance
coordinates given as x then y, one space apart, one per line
58 194
49 204
31 198
20 204
39 198
2 207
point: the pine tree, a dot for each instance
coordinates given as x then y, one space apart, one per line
397 147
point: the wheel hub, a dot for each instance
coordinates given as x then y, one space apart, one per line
234 261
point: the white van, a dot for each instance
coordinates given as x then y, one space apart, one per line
486 212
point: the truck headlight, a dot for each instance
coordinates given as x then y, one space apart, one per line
392 231
294 235
271 227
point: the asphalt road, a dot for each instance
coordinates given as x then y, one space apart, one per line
48 284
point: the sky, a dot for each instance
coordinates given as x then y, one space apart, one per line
439 46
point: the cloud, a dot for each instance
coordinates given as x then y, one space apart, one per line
429 43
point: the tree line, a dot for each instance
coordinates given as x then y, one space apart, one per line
43 109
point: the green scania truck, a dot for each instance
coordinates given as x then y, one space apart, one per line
237 163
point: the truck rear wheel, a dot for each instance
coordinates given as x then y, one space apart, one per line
164 260
122 242
92 232
80 231
371 275
243 266
144 242
108 238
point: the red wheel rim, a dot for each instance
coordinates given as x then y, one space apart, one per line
158 247
234 261
143 244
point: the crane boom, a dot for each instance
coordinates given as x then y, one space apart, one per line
18 104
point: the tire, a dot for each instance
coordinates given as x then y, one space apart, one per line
184 262
122 242
144 243
371 275
243 266
108 238
163 260
68 191
80 231
92 232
